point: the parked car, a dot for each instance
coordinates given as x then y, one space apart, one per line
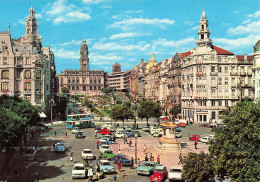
157 134
74 130
160 173
108 139
87 154
181 124
105 166
105 131
146 128
108 154
205 139
128 128
102 142
79 134
60 147
195 137
123 159
178 135
107 126
156 130
129 134
119 134
137 133
103 148
181 121
175 173
178 129
78 171
147 168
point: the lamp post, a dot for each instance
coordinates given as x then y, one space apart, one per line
135 147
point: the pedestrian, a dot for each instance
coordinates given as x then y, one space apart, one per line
96 133
145 148
119 152
180 159
65 133
86 164
114 177
91 165
90 174
130 143
125 139
119 167
195 144
158 159
71 158
132 163
138 162
151 155
146 158
53 146
97 144
152 159
55 133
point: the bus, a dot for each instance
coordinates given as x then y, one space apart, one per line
80 124
75 117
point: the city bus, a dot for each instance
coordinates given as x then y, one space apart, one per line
76 117
80 124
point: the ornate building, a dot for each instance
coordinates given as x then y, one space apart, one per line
83 81
27 69
256 71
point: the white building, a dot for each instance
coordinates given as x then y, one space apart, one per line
256 70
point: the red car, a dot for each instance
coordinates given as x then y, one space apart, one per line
182 125
160 173
194 137
105 131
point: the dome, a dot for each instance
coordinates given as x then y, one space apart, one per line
257 46
151 63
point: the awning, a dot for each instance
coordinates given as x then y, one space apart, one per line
43 115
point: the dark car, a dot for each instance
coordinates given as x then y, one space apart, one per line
123 159
79 134
137 133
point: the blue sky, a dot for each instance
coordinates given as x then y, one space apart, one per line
124 31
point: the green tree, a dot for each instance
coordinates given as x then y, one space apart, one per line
127 104
65 90
198 167
121 113
236 147
118 102
148 109
106 90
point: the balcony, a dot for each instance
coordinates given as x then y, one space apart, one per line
213 74
243 73
233 73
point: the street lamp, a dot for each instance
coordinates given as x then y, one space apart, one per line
136 135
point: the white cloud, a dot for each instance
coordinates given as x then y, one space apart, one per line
74 16
116 46
188 23
65 54
22 21
107 59
246 21
252 27
125 35
107 6
162 42
124 24
39 16
255 15
93 1
195 28
59 7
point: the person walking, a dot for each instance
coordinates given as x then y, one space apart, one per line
65 134
53 146
114 178
97 143
158 159
138 162
180 159
90 174
96 133
151 155
119 167
195 144
71 158
146 158
145 148
125 139
132 163
152 159
55 133
130 143
119 152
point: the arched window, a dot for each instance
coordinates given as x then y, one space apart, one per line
90 80
77 87
99 88
84 80
73 87
69 87
95 81
77 80
99 81
73 80
68 80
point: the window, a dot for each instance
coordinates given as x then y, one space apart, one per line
38 74
226 102
99 88
90 87
84 88
226 81
28 31
27 60
233 90
27 97
69 87
77 80
204 103
5 61
219 69
226 69
73 87
27 86
5 74
38 99
99 81
38 86
95 88
212 68
73 80
77 88
213 103
220 103
4 87
213 115
219 81
27 74
68 80
18 75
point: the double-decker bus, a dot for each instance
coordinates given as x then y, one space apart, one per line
75 117
80 124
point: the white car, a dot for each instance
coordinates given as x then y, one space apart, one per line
178 135
78 171
120 128
205 139
175 173
146 128
106 166
103 148
87 154
75 130
181 121
107 125
119 134
156 130
212 136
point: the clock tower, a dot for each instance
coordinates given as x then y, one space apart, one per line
84 57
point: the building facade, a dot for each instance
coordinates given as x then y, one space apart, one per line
27 69
83 81
256 71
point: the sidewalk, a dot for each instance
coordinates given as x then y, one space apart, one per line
168 159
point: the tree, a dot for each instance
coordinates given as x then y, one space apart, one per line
118 102
198 167
148 109
236 147
106 90
65 90
175 110
121 113
127 104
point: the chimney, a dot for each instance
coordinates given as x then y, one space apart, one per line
245 57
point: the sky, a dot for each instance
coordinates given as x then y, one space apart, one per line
124 31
